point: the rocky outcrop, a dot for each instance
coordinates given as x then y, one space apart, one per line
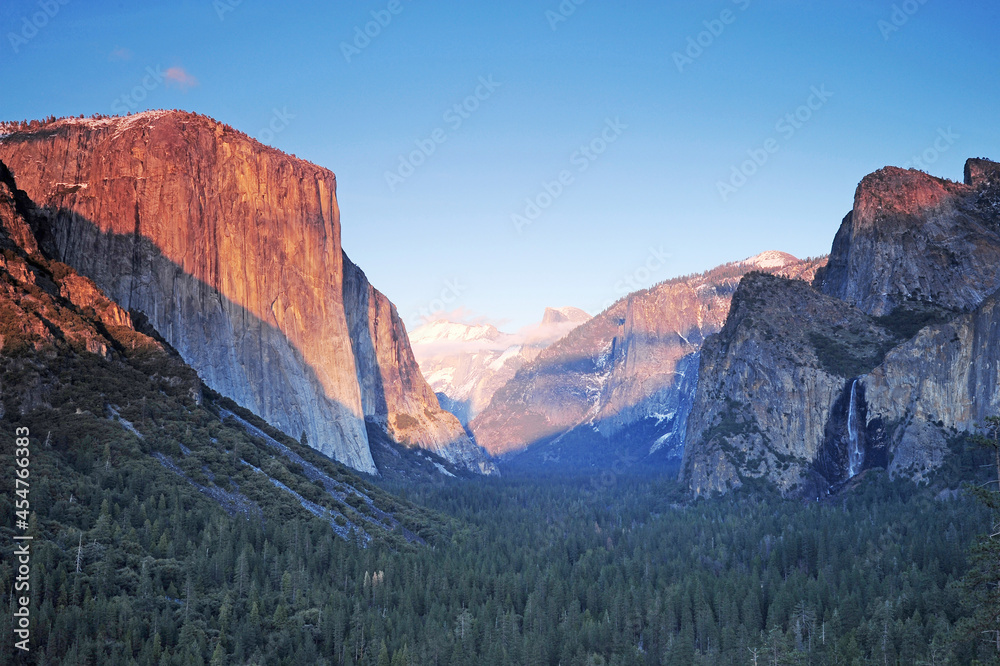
913 237
49 313
15 213
768 384
394 395
231 249
628 374
947 378
806 389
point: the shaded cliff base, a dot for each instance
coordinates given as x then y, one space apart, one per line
807 392
622 383
30 234
233 252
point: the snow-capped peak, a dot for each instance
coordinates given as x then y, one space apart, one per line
770 259
443 330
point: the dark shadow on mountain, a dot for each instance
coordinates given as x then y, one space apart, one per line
404 465
233 351
460 408
633 444
583 450
355 291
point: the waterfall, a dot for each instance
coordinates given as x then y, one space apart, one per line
855 456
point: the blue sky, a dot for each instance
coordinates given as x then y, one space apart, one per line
887 81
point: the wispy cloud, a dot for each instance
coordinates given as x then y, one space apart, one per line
179 77
445 348
463 315
542 335
120 53
537 336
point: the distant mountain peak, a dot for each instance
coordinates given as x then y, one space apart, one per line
444 330
564 315
771 259
466 363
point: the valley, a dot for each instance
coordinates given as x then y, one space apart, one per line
240 454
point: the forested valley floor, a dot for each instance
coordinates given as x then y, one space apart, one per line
613 569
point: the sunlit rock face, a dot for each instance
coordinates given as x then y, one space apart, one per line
47 307
625 379
394 394
911 236
230 248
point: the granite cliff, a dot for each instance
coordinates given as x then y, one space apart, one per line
394 394
891 354
911 236
945 379
619 387
769 383
110 406
232 251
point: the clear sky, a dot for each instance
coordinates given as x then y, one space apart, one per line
668 98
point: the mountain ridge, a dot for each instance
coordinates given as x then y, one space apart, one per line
232 250
889 356
625 374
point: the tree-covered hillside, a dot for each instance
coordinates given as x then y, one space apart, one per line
170 526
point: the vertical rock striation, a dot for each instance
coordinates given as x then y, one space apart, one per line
946 378
805 388
628 374
394 394
913 237
230 248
